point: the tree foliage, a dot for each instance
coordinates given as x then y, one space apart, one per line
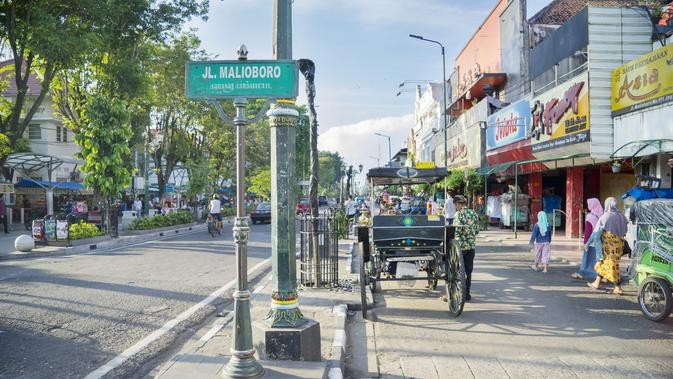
174 118
260 183
103 137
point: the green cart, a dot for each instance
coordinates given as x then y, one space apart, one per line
653 257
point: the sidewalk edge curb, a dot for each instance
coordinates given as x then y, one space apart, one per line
334 367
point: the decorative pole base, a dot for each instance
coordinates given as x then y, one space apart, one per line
243 365
284 310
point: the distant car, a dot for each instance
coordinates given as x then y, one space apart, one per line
262 213
303 206
322 201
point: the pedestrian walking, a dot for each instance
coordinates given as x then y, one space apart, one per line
613 224
467 227
591 233
540 243
449 208
138 207
3 213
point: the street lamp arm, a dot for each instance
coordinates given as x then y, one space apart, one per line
425 39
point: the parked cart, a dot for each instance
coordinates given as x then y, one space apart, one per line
653 257
400 246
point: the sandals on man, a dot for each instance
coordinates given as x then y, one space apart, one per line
576 276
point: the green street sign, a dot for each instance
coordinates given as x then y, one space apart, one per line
268 79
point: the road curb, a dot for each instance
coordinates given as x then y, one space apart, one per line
106 245
334 367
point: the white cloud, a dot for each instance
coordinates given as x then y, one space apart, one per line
357 143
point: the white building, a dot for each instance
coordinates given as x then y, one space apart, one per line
427 122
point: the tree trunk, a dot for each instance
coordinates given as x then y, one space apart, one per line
307 68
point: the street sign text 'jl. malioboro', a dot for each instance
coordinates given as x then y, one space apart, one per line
270 79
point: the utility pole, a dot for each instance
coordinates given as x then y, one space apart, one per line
285 324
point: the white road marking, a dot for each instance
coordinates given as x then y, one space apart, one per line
131 351
220 323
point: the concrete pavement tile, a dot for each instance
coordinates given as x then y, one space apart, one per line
522 367
194 366
554 367
418 367
486 367
583 366
653 367
617 367
452 366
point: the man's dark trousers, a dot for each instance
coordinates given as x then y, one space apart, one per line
468 258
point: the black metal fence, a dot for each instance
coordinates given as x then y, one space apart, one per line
320 268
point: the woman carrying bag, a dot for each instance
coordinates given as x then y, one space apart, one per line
613 224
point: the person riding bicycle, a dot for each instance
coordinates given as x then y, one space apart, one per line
350 209
215 210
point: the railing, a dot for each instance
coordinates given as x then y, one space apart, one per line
319 250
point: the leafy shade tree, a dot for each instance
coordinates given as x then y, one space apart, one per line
43 36
103 137
330 172
5 146
260 183
173 115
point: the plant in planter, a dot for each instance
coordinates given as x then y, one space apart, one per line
83 230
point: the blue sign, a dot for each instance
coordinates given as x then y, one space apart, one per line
508 125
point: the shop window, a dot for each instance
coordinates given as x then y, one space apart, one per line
34 131
58 133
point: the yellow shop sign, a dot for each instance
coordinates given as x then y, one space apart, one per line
643 82
425 164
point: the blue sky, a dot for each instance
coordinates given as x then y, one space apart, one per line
362 53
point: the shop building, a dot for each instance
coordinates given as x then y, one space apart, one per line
427 123
562 147
642 107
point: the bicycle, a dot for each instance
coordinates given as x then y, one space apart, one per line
214 225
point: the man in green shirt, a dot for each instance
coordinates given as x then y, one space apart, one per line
467 228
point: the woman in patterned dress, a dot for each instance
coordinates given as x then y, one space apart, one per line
614 229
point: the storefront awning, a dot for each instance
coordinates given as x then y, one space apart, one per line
643 147
537 164
70 186
31 161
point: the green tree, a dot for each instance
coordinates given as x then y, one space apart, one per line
103 137
173 117
42 37
260 183
330 172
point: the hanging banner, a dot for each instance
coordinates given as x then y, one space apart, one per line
644 82
508 125
560 116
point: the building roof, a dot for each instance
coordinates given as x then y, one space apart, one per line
7 74
560 11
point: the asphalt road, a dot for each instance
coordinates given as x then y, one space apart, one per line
520 324
68 317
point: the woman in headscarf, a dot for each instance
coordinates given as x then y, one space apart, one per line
586 270
541 235
614 226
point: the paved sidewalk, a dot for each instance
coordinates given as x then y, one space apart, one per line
568 250
205 354
8 252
